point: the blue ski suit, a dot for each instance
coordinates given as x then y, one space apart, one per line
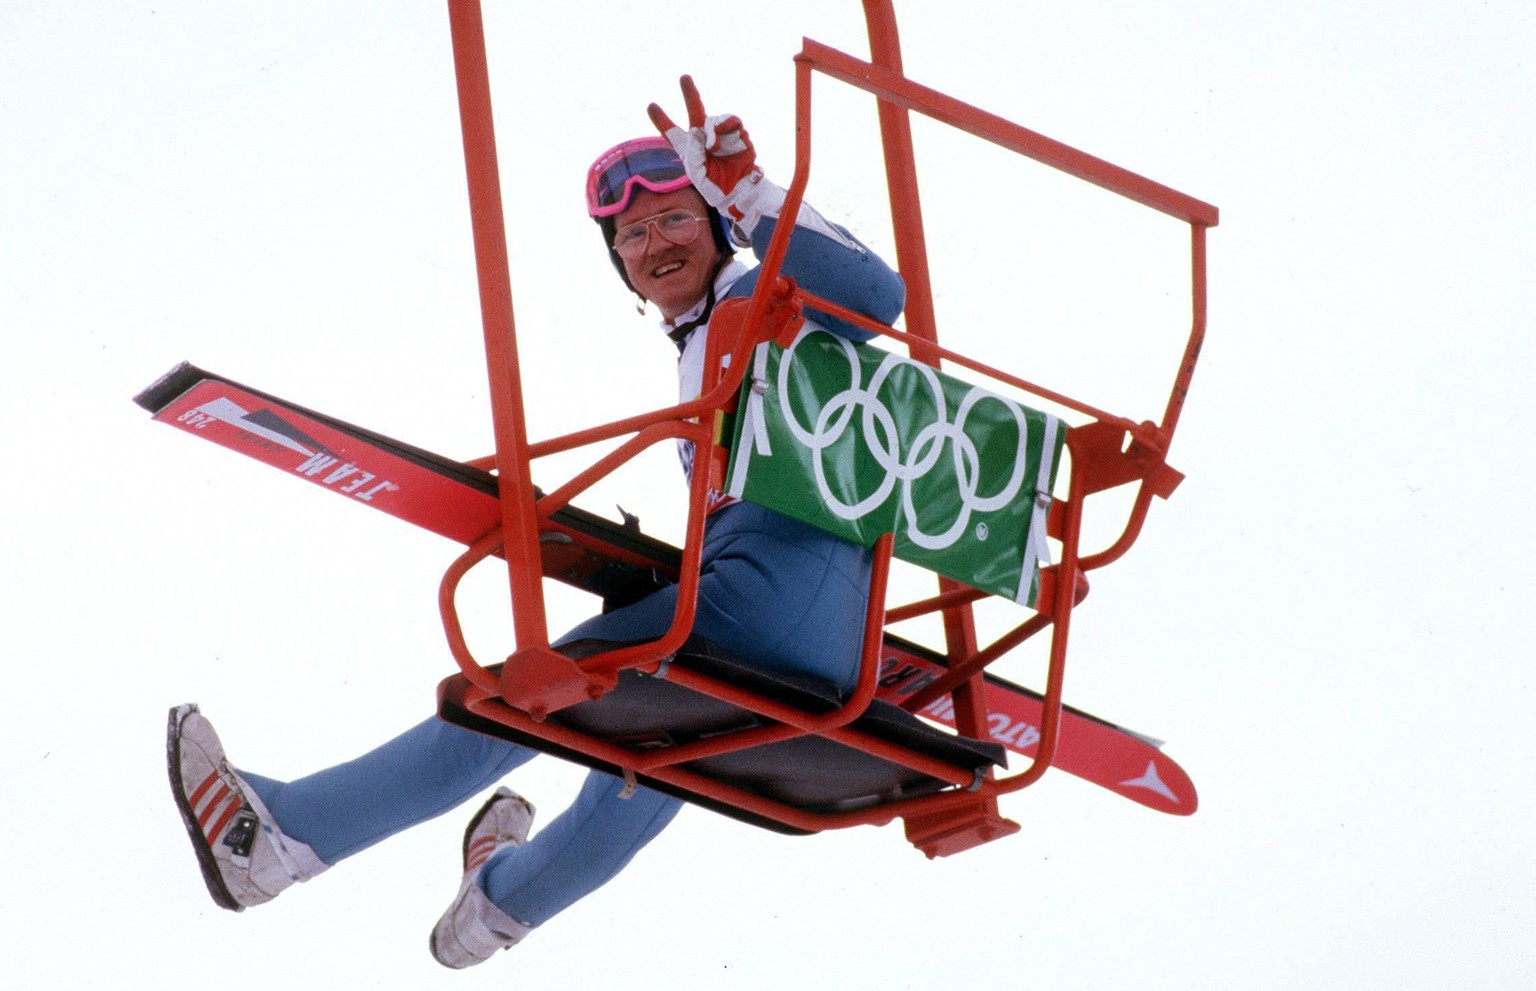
774 591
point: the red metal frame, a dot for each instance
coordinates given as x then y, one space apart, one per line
1105 452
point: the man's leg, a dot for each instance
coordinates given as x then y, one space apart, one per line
427 770
578 852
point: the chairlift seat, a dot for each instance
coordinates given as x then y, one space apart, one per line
810 772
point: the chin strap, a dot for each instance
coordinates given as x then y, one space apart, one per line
679 334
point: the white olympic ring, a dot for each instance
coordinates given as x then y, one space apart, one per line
923 453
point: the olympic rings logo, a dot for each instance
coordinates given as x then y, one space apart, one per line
922 455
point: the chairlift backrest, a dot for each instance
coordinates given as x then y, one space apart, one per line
861 442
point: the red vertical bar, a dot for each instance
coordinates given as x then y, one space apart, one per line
1196 334
901 179
1061 609
912 259
521 543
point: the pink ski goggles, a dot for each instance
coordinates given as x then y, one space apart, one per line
647 162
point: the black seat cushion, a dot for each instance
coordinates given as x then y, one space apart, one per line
811 772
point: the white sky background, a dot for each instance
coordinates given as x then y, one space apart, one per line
1325 622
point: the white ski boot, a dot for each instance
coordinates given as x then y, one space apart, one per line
246 860
473 928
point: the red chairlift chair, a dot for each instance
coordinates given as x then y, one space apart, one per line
942 786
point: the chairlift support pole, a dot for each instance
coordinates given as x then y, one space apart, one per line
520 538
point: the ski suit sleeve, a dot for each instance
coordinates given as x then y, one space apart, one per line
828 261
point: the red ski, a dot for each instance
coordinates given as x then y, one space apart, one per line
1090 748
613 560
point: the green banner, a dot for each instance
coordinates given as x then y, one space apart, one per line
862 442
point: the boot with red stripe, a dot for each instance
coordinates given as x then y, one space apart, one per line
246 860
473 928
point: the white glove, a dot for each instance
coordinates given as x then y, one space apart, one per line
720 161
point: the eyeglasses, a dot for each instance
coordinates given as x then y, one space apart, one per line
647 162
677 226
